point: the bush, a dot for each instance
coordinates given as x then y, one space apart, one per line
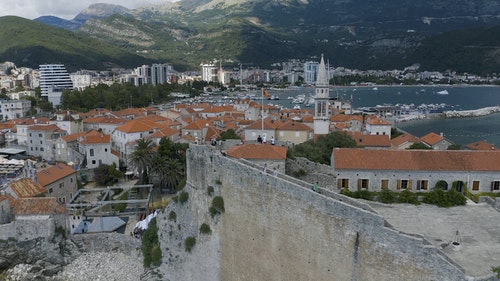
210 190
362 194
387 196
150 245
217 206
120 207
441 185
189 243
444 199
183 197
407 196
205 229
172 216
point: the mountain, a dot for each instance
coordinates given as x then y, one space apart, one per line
98 10
380 34
29 43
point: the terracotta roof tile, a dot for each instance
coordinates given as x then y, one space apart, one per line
37 206
137 125
416 160
431 138
27 188
480 145
268 125
293 126
104 120
50 127
404 138
258 151
95 139
54 173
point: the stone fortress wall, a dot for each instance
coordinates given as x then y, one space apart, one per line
274 228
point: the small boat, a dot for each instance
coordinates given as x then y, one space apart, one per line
375 88
296 107
443 92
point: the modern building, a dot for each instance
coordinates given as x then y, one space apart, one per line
209 72
310 72
54 79
155 74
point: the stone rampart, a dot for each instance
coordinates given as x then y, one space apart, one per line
28 228
275 229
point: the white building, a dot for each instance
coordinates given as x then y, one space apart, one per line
81 81
310 72
155 74
209 72
97 150
54 79
13 109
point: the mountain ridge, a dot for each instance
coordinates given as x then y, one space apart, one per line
358 34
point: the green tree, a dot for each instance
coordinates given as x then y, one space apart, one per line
419 145
142 157
454 147
229 134
321 150
106 174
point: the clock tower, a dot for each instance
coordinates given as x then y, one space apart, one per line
321 101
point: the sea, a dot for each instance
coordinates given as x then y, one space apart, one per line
459 130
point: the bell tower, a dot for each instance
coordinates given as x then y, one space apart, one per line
321 101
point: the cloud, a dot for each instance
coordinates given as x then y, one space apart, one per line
65 9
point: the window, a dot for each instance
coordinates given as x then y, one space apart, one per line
363 183
297 134
91 152
41 148
422 184
93 162
495 185
384 184
403 184
61 185
105 150
343 183
39 135
50 190
475 185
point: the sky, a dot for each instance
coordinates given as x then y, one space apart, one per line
66 9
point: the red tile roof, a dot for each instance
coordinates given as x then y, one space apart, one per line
94 139
54 173
137 125
27 188
416 160
294 126
50 127
480 145
431 138
37 206
404 138
268 125
104 120
258 152
371 140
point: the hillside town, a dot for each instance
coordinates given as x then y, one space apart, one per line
47 157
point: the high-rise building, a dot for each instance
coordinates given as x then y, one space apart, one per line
54 79
310 72
155 74
209 72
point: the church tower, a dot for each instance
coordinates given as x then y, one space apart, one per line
321 104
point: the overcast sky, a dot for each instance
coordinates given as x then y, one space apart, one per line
66 9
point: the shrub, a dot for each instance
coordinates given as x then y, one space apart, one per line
217 206
387 196
183 197
210 190
407 196
444 199
150 245
299 173
205 229
441 185
362 194
120 207
172 216
189 243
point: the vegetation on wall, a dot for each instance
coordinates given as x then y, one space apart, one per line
150 245
217 206
189 243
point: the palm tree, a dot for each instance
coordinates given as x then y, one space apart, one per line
159 169
142 158
175 173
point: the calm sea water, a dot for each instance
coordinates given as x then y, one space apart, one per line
461 131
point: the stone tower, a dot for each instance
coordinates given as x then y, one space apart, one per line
321 104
